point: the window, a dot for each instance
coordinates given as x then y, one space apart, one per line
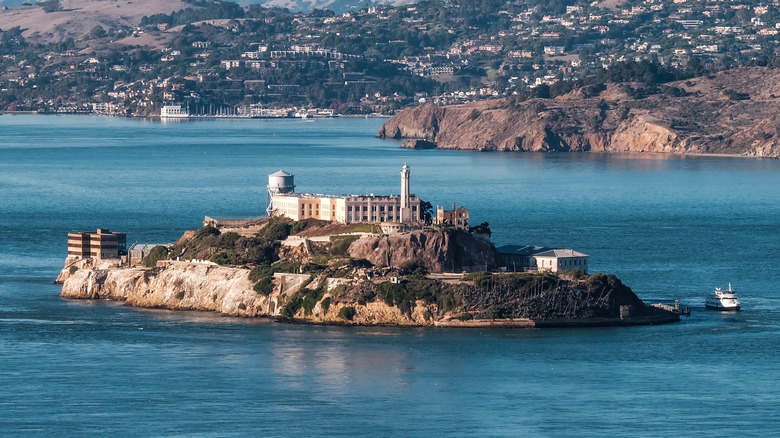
382 208
389 208
349 208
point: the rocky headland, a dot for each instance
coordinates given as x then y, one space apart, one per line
734 112
361 278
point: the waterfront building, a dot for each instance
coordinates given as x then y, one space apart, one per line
459 217
284 202
102 244
173 112
520 258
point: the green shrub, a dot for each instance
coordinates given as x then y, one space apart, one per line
338 290
228 240
314 268
340 246
276 229
180 295
465 317
73 269
299 226
293 305
413 267
265 286
325 305
388 292
205 232
289 267
347 313
310 300
227 257
260 272
149 273
157 253
479 278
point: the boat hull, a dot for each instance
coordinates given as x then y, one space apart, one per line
721 307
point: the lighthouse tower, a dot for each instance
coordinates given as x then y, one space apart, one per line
406 210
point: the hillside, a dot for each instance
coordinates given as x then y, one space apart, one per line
337 6
77 17
732 112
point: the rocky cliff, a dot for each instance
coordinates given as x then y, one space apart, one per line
733 112
436 251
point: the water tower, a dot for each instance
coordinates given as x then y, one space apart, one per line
279 182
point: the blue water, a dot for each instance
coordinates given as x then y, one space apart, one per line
671 228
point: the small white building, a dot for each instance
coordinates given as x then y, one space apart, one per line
519 258
555 260
173 112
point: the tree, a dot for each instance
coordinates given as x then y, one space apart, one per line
426 208
483 228
50 5
157 253
97 32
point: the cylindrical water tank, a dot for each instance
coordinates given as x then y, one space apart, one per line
281 182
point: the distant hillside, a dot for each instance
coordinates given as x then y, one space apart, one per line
338 6
77 17
734 112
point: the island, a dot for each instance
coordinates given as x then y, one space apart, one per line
354 260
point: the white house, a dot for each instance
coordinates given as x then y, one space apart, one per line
539 258
561 260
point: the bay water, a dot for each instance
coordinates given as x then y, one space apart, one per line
669 227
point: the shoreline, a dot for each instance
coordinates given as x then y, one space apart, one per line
661 317
632 154
188 118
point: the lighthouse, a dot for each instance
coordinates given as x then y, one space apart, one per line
406 210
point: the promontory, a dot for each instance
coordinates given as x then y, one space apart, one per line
732 112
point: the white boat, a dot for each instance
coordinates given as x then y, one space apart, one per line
722 299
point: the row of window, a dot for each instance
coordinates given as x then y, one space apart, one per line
358 218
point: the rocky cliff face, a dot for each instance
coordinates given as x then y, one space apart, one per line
193 286
700 116
437 251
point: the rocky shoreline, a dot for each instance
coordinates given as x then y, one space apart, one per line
697 116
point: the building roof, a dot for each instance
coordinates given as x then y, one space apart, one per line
147 246
319 195
538 251
280 173
560 253
521 249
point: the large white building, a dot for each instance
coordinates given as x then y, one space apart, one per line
347 209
